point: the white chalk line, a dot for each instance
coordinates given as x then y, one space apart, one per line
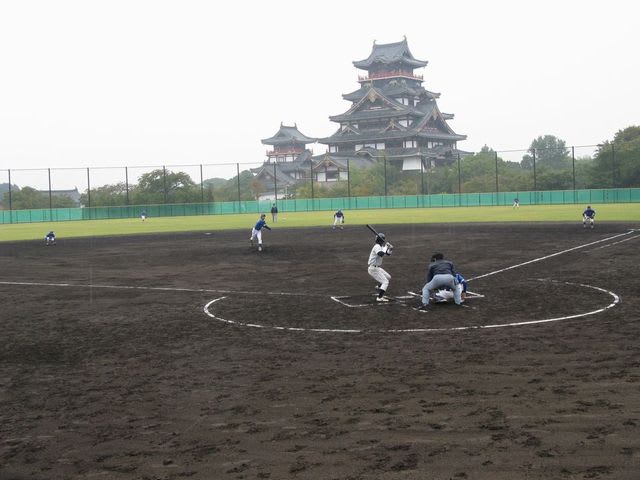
616 300
162 289
614 243
539 259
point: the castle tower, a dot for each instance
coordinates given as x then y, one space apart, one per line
393 115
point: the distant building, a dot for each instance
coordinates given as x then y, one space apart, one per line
392 115
288 163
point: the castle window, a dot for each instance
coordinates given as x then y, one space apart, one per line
409 144
333 148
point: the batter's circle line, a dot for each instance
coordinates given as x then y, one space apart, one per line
616 300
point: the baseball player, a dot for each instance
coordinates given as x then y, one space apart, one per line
588 216
256 231
143 215
50 238
338 219
380 249
441 273
516 203
445 294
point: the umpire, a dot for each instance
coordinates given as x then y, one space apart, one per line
441 274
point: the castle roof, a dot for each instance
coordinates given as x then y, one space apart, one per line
389 53
287 136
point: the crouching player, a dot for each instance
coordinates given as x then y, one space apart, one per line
446 294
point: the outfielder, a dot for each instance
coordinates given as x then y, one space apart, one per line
380 249
256 231
588 216
338 219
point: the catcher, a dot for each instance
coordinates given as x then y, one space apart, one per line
441 274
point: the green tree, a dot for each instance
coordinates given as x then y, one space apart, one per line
106 196
27 198
617 162
153 187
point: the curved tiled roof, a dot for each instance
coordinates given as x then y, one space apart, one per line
287 135
388 53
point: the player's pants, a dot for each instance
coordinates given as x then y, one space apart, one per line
256 234
381 277
588 220
338 221
445 295
443 280
274 217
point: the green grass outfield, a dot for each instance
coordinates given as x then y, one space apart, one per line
626 212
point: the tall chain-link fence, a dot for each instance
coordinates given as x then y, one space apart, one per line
329 176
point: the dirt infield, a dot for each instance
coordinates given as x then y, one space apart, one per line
195 356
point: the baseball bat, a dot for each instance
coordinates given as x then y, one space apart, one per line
372 229
376 233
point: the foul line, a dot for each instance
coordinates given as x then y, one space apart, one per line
550 256
164 289
614 243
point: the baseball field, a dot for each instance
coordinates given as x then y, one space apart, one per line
172 349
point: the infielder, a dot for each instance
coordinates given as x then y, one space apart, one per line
338 219
50 238
380 249
441 273
256 231
588 216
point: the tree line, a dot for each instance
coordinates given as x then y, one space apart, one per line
548 165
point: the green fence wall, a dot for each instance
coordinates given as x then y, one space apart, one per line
614 195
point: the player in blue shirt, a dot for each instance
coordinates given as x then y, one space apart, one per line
50 238
338 219
256 231
588 216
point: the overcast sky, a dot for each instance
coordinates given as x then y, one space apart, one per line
147 82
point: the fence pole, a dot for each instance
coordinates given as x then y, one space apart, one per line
312 193
50 201
385 180
10 193
459 182
348 182
573 164
164 182
275 183
535 181
613 165
497 189
201 185
126 182
238 176
88 189
422 178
